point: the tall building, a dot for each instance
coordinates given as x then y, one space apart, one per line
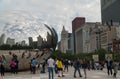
65 45
110 11
64 40
10 41
2 39
76 23
82 38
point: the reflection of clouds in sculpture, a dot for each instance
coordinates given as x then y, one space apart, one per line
23 26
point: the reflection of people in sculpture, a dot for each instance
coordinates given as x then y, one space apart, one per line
16 66
12 66
34 64
2 66
43 66
31 70
23 54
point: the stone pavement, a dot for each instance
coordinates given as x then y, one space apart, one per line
68 75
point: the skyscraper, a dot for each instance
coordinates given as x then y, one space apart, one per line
110 11
64 40
39 41
76 23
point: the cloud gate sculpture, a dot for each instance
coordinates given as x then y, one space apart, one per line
24 56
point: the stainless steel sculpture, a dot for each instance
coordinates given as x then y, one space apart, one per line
24 57
54 38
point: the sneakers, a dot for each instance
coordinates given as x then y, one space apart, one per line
62 76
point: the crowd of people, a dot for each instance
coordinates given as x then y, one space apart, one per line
59 66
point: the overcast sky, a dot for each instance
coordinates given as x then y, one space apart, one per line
56 13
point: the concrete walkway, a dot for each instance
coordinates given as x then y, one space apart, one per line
68 75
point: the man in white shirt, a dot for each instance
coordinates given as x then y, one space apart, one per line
51 68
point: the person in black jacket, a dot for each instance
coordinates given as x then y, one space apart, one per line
76 66
109 65
66 65
85 65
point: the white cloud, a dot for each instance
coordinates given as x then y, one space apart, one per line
53 12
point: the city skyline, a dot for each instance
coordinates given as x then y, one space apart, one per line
17 16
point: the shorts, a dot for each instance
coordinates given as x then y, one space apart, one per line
60 69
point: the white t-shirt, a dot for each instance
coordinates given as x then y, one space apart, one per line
50 62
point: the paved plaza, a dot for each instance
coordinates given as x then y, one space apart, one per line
97 74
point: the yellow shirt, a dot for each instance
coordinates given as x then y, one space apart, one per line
60 64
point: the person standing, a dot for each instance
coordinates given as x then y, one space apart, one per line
109 65
115 68
43 66
56 68
85 65
66 65
51 63
76 66
60 67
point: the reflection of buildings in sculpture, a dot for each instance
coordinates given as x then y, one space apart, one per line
30 41
10 41
110 10
2 39
39 41
34 44
49 39
23 43
66 41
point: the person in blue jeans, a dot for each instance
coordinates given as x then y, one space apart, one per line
51 63
77 68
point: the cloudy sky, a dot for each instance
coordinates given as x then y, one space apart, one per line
23 18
